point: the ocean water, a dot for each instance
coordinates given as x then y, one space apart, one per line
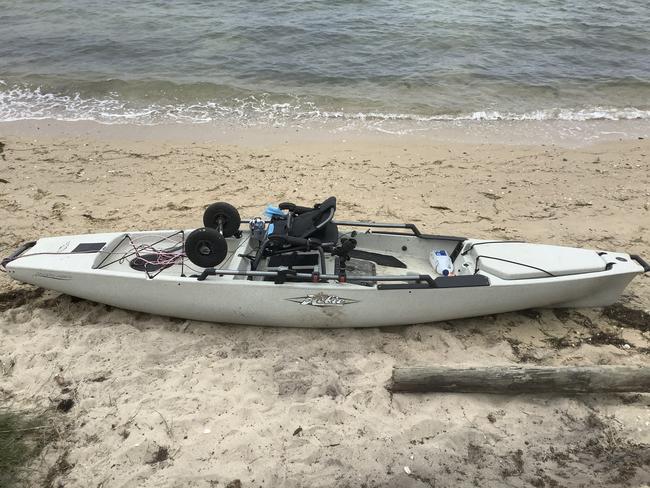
286 62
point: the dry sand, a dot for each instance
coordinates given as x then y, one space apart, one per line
159 402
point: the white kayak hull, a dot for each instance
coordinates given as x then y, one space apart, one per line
237 300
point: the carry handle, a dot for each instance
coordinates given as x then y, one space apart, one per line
641 261
17 253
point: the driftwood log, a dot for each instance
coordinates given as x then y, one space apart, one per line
517 379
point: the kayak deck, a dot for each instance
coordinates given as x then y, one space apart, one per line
375 255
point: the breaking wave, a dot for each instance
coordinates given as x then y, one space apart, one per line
25 103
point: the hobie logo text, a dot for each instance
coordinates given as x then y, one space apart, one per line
322 300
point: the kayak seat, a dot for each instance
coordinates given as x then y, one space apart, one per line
304 222
301 229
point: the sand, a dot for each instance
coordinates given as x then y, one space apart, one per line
159 402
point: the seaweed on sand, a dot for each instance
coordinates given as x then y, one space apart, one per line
22 438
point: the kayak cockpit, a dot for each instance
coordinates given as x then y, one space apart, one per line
376 254
306 244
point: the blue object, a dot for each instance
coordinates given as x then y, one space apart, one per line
274 211
441 253
270 229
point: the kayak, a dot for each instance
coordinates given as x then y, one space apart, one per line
300 267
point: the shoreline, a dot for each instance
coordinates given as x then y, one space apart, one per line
570 134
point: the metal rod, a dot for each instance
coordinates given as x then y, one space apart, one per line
273 274
359 223
371 224
382 225
321 256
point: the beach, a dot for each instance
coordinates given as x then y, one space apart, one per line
165 402
500 120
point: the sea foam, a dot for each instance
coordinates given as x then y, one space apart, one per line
24 103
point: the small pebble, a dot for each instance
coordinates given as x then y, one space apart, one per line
407 470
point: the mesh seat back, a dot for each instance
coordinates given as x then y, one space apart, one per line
310 223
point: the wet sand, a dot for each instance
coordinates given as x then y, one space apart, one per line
164 402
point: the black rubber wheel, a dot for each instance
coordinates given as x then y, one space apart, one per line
229 216
206 247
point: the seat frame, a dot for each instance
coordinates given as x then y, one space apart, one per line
282 243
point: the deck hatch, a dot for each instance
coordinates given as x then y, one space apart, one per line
88 247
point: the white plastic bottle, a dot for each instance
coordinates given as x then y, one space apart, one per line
441 262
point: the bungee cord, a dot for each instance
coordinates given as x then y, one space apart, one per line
149 257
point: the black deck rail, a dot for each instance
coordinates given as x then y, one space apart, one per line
412 281
383 225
